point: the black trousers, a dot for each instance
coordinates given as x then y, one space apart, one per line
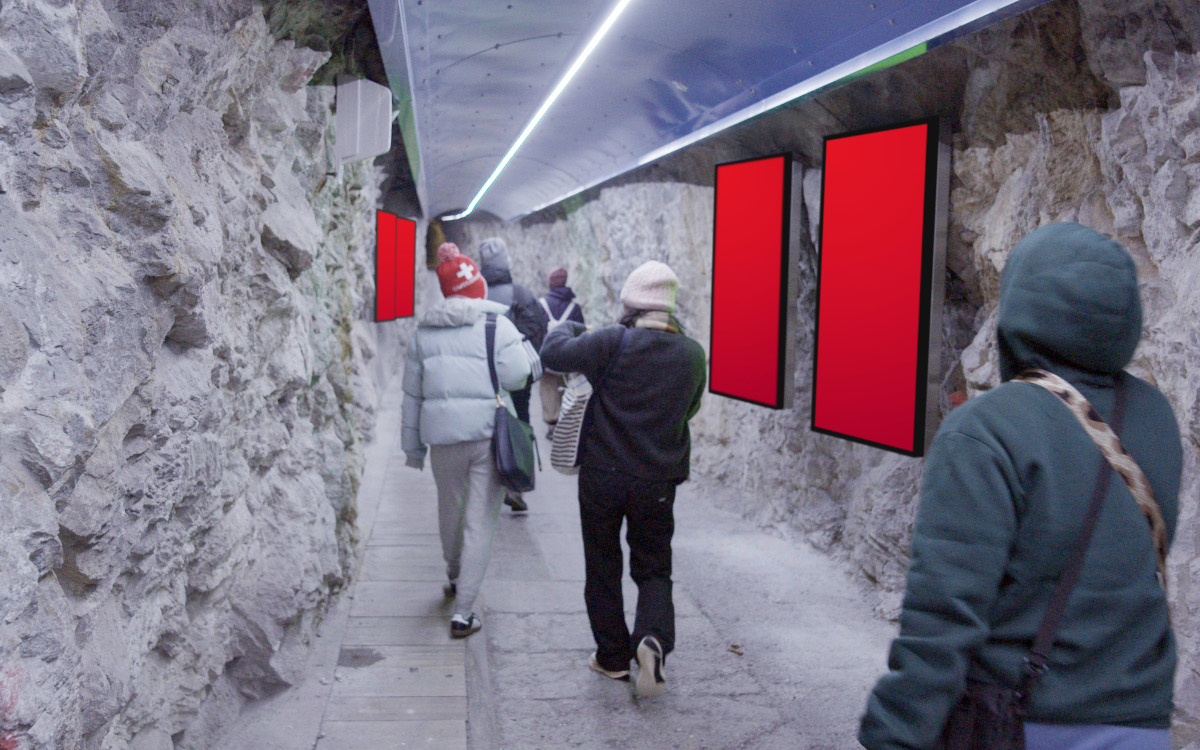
521 402
605 500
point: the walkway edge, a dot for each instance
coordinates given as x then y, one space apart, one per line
482 726
292 720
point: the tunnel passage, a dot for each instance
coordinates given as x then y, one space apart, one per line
191 376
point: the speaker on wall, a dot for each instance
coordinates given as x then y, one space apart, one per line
880 286
363 122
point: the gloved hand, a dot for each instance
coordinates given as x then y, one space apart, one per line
415 462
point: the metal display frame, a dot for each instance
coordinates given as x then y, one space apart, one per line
788 282
933 286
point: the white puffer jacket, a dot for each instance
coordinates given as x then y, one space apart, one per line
448 396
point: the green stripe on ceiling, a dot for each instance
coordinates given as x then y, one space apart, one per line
895 59
408 130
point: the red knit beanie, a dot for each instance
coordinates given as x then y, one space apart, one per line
557 278
460 277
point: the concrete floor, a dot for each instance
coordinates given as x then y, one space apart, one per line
777 647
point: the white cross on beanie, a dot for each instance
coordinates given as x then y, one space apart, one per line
465 271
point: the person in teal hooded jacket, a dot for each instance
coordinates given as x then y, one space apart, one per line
1007 481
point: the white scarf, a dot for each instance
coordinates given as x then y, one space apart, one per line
657 320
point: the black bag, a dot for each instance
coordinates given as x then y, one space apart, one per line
987 717
526 315
992 717
512 439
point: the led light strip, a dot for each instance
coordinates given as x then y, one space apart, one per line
562 84
930 31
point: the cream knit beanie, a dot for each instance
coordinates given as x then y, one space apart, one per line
651 286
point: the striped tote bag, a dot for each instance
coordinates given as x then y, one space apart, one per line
564 449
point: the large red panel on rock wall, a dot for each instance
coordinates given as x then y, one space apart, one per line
385 266
873 293
406 268
750 300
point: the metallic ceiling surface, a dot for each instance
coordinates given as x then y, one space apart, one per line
479 69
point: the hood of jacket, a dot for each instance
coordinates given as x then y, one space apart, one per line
494 261
561 294
453 312
1068 296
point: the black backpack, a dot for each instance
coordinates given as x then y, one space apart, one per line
526 315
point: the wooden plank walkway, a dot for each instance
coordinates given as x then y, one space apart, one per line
777 649
400 679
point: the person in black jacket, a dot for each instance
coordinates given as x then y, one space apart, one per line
525 313
557 306
634 451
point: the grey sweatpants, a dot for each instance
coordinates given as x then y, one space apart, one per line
469 498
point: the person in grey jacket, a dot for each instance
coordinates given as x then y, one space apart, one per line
449 406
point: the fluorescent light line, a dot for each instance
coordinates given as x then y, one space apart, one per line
562 84
930 31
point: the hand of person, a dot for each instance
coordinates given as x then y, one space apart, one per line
415 462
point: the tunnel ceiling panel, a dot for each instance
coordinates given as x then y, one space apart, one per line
666 74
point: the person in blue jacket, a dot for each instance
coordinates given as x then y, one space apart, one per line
1007 481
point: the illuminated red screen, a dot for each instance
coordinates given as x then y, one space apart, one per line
750 255
406 268
385 265
873 294
395 269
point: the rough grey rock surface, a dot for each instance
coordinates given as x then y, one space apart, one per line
1076 111
187 367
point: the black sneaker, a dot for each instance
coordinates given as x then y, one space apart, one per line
515 501
550 432
651 681
461 627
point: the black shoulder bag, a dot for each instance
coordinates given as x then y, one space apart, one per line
512 439
991 717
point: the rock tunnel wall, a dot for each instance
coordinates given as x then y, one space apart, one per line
1084 112
187 370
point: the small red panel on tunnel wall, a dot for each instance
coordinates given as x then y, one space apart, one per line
750 300
873 294
385 266
406 268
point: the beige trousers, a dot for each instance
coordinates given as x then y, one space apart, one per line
551 386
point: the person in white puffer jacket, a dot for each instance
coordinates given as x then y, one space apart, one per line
449 406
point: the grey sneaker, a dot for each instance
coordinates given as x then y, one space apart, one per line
651 681
619 674
461 627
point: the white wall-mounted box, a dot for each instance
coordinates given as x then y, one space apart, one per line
363 126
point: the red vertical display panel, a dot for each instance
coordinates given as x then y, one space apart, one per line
385 266
873 293
750 300
406 267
